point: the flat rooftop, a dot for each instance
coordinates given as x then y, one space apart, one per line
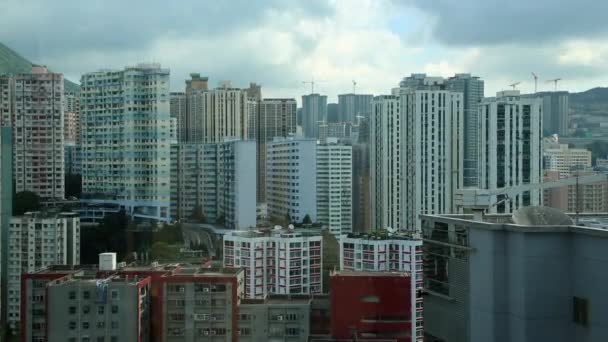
346 273
205 272
280 299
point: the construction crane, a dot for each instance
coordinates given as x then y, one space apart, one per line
514 85
354 86
312 84
480 200
555 80
535 82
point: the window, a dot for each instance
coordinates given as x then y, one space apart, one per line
86 309
101 310
580 310
72 325
114 294
72 295
114 309
114 325
101 339
85 325
86 295
72 310
101 325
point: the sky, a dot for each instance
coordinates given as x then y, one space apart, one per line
281 43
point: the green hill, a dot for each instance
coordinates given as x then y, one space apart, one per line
12 63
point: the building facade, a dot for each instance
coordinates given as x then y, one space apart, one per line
352 106
126 139
71 118
216 178
584 198
493 280
314 112
37 240
94 309
416 147
6 211
556 112
291 178
275 317
33 104
282 261
511 148
388 252
334 187
373 306
73 159
178 110
277 118
472 89
565 160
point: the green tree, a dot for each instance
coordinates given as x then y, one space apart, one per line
198 215
221 219
25 201
306 220
160 251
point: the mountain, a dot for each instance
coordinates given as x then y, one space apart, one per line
592 101
12 63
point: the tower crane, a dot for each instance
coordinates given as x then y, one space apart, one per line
514 85
354 86
312 84
535 82
555 80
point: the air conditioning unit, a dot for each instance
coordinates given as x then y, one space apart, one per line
205 289
205 332
201 317
212 318
280 317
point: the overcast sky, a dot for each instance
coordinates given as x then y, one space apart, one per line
280 43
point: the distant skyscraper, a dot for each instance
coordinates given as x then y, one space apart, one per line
35 111
332 112
334 186
361 179
125 139
511 148
276 118
352 105
340 130
178 110
556 116
415 155
71 119
472 89
291 178
73 158
314 112
216 177
215 114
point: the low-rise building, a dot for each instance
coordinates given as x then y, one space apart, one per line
384 251
277 317
89 308
280 261
565 160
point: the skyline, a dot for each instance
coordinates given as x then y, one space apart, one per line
279 44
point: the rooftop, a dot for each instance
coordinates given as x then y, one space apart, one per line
347 273
92 280
279 299
278 231
386 234
206 272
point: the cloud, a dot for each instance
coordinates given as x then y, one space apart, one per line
487 22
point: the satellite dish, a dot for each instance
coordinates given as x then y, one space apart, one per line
390 230
541 216
277 227
290 227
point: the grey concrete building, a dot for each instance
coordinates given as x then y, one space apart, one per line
314 112
87 308
350 106
275 318
556 115
494 280
472 89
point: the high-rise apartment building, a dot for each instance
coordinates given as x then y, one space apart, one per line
71 118
416 150
556 112
472 89
178 109
565 160
275 317
125 139
213 114
361 179
334 186
277 118
37 240
351 106
33 104
216 178
340 130
314 112
511 148
73 158
6 210
291 178
388 252
283 261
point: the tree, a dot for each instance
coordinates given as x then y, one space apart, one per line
160 251
25 201
198 215
306 220
221 219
